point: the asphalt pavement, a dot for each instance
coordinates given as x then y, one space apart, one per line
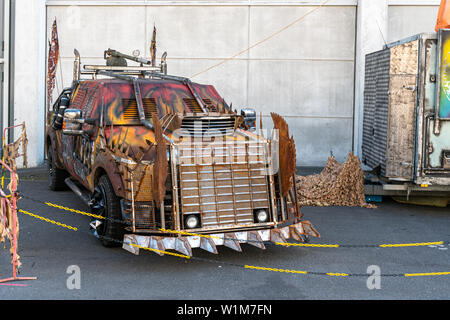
48 250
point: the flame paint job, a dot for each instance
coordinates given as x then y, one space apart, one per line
93 96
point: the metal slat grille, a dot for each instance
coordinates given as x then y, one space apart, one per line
195 126
144 216
224 184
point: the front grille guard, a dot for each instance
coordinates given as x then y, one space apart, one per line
285 222
258 189
279 209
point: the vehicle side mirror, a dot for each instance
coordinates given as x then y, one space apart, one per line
249 118
59 114
72 122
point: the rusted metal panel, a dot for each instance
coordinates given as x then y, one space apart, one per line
160 168
287 154
402 108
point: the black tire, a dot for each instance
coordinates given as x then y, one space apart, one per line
110 232
56 176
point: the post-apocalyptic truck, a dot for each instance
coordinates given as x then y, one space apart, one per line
163 161
406 128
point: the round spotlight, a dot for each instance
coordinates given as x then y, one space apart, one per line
192 222
262 216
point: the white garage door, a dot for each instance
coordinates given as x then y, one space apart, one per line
305 73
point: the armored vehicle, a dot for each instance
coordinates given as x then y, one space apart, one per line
165 163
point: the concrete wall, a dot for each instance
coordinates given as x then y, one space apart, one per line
306 72
29 75
407 20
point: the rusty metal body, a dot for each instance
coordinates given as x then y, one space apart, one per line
174 149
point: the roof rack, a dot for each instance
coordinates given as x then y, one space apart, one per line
116 63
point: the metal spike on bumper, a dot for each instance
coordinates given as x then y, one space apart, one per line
208 245
157 244
308 229
255 239
296 232
183 246
277 236
231 240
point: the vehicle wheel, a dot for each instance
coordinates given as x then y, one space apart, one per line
108 205
56 176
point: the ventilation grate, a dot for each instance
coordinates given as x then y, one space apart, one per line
192 105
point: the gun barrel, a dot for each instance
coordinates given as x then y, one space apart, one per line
118 54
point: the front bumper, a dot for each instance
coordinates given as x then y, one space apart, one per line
185 243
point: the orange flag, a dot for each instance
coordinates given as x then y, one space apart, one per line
443 19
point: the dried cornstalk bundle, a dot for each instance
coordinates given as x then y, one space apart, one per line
3 222
12 150
6 228
337 185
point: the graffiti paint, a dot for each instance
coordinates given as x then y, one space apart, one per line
444 88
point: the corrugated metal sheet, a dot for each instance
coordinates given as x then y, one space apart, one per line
376 102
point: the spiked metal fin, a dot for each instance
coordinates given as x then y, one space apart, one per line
232 242
277 236
208 245
255 239
182 246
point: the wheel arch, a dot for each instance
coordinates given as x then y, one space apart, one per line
115 179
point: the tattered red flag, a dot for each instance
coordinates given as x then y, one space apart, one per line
53 54
153 47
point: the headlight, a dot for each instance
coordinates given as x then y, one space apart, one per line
262 216
192 222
